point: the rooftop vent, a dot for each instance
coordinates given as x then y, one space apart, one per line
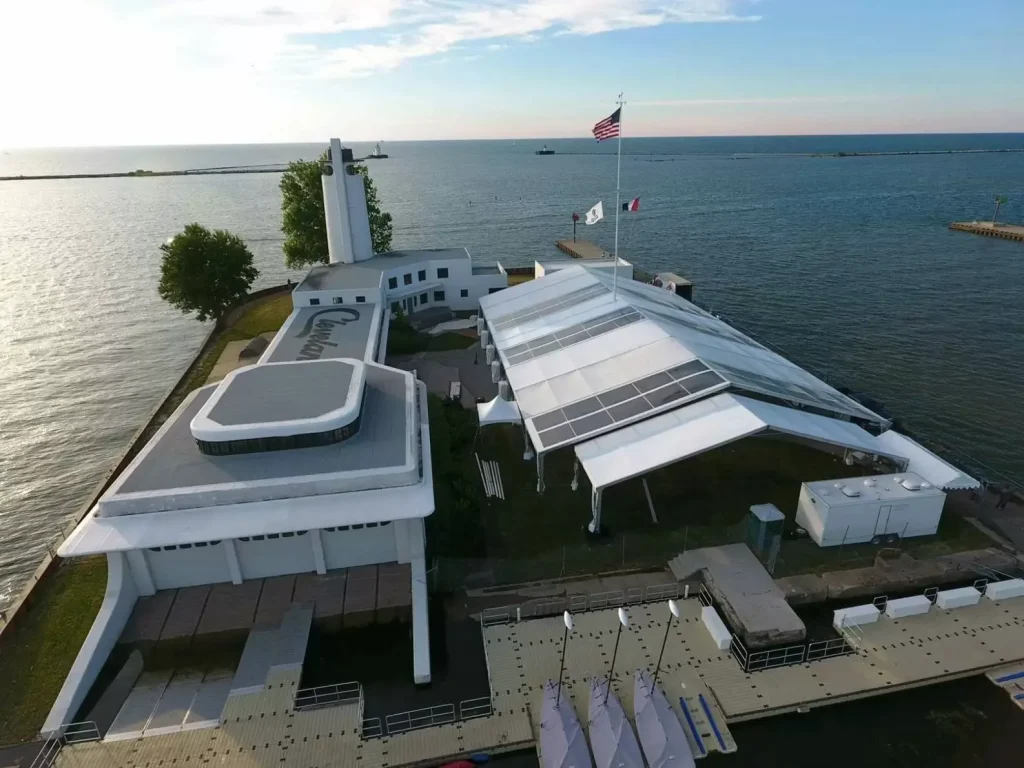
870 482
898 478
911 485
851 492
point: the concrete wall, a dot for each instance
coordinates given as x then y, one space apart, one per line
114 612
260 559
187 567
460 278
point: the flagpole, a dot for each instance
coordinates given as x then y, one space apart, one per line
618 177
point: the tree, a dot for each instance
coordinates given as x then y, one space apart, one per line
302 214
205 272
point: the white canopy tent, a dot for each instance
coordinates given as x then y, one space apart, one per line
923 462
498 411
693 429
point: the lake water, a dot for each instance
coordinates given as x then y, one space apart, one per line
844 262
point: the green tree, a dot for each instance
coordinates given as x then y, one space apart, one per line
205 272
302 214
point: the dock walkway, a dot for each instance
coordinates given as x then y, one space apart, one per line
1004 231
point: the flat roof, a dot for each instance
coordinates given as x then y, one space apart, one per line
367 274
285 391
96 534
323 333
875 488
171 473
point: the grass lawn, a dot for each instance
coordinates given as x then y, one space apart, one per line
449 340
703 501
38 651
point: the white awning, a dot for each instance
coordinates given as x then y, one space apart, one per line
498 411
706 424
923 462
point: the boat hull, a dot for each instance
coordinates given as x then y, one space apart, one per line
611 736
562 744
661 734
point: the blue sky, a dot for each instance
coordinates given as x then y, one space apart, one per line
111 72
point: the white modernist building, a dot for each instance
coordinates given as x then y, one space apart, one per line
634 378
314 459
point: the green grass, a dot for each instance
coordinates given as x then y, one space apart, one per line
445 341
37 652
703 501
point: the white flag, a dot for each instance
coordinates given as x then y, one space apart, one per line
595 214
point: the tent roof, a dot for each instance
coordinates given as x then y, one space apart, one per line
571 346
498 411
923 462
707 424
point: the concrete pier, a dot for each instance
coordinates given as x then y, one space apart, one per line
986 228
582 249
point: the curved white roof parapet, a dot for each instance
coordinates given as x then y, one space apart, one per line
923 462
302 397
498 411
704 425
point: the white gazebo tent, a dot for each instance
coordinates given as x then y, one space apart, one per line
498 411
701 426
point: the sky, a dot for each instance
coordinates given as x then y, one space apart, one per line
138 72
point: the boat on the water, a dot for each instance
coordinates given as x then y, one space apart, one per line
661 734
611 736
377 154
562 744
544 151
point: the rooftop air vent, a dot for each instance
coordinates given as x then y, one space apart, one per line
870 482
926 484
911 485
851 492
898 478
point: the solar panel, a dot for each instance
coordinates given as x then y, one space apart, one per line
610 321
541 308
619 404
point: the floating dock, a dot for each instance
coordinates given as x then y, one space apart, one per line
582 249
1004 231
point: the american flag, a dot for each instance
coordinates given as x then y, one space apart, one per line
609 127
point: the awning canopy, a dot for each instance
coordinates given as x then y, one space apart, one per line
707 424
923 462
498 411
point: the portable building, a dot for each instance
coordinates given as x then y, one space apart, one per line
856 510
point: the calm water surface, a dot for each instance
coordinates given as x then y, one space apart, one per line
844 262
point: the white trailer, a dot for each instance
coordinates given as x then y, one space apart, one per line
856 510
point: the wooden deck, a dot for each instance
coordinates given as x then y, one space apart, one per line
582 249
1004 231
704 685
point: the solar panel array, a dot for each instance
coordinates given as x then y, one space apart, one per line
574 334
548 307
579 419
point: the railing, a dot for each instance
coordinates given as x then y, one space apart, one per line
579 603
442 714
371 728
826 649
71 733
776 657
479 707
739 650
705 597
327 696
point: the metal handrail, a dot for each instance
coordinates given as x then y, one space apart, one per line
775 657
414 719
48 753
327 695
371 728
77 733
479 707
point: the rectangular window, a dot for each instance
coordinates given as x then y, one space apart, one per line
464 293
407 279
395 307
314 302
423 298
338 300
360 299
438 295
392 283
422 275
442 272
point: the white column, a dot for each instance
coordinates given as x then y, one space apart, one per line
540 473
232 557
595 505
141 574
402 540
420 624
318 551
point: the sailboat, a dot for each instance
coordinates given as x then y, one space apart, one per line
562 744
611 735
377 154
661 733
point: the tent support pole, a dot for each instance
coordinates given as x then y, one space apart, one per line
575 474
595 504
527 448
650 503
540 473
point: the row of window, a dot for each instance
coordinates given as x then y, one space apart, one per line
285 535
337 300
185 546
357 526
278 443
421 276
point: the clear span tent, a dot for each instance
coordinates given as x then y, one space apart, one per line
923 462
702 426
498 411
